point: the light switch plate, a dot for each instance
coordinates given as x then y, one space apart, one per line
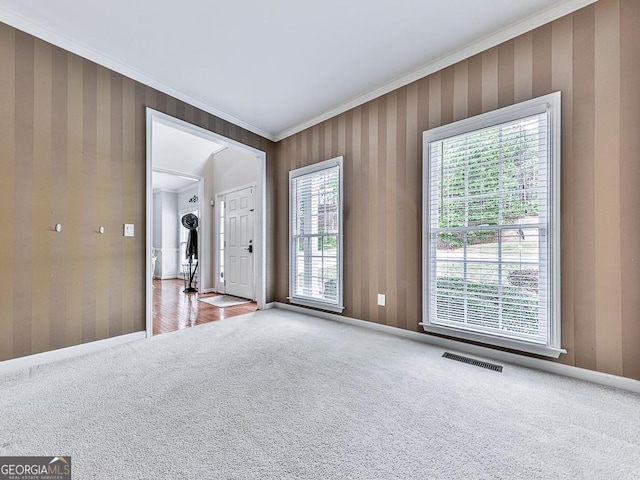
382 299
128 230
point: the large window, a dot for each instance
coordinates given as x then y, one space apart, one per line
315 235
491 206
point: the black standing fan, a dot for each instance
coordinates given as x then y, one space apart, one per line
190 222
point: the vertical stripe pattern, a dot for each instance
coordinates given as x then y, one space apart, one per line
73 152
629 192
591 56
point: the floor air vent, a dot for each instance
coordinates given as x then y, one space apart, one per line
471 361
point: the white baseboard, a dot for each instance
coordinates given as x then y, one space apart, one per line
600 378
209 290
37 359
270 305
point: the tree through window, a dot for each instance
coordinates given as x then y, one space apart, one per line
492 207
316 235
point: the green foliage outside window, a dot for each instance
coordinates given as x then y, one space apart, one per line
487 178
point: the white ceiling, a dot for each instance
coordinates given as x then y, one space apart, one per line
276 67
170 183
178 151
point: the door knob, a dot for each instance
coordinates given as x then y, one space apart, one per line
249 248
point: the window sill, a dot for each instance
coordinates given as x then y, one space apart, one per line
534 348
319 305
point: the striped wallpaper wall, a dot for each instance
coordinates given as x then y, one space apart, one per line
72 151
593 57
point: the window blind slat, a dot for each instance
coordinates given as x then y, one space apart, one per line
488 211
316 234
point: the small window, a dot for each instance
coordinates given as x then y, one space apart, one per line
491 206
221 243
315 235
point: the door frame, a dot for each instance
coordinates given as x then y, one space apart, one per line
260 234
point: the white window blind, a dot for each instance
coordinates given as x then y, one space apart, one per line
492 226
316 235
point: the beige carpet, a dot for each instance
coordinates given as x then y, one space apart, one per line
278 395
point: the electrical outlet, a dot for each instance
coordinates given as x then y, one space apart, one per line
381 299
128 230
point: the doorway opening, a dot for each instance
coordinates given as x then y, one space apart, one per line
214 174
174 196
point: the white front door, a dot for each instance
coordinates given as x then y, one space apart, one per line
238 268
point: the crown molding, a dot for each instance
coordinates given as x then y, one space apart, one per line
188 187
37 30
486 43
519 28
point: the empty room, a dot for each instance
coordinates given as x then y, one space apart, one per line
388 240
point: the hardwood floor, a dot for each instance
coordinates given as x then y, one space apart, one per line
174 310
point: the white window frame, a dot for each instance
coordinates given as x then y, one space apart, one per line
551 104
220 243
338 305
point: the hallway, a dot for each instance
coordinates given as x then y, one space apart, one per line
175 310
